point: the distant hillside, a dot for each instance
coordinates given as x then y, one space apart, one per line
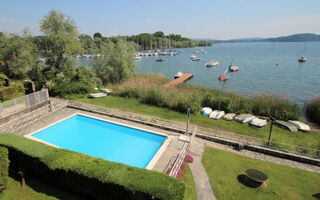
295 38
291 38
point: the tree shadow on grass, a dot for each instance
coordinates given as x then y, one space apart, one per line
316 196
245 180
49 189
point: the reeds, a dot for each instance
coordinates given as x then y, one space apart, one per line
149 90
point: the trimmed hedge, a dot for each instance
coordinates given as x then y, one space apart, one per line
4 168
90 177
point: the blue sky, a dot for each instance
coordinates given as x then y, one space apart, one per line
218 19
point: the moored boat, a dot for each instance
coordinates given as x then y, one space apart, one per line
137 57
178 75
159 60
234 68
212 63
223 76
302 59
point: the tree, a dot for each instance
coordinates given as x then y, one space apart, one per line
117 64
97 35
62 43
18 55
158 34
88 44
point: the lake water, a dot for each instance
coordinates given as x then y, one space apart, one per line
258 73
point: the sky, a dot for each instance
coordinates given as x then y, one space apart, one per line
216 19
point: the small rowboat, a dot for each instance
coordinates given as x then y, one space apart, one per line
206 111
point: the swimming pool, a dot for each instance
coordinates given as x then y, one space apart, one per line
103 139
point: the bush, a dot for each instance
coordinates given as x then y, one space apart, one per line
4 167
92 178
11 92
154 97
2 78
313 110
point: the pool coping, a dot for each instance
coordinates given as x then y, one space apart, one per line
150 165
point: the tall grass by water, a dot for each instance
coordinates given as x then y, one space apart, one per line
148 89
313 110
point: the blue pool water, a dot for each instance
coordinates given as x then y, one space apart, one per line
103 140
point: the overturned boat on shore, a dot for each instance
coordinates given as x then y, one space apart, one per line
286 125
216 114
259 122
300 125
244 118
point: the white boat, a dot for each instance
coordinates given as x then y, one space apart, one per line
196 52
301 126
216 114
259 122
137 57
195 59
180 50
229 116
302 59
212 63
178 75
106 90
244 118
234 68
193 56
97 95
206 111
205 52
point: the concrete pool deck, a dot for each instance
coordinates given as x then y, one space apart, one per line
168 150
173 148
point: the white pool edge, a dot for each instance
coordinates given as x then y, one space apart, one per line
150 165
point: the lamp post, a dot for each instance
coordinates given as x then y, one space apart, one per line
272 120
188 120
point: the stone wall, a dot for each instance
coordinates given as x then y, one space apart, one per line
25 117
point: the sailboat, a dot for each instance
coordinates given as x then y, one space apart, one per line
302 58
223 76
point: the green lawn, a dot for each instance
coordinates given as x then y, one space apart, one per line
190 192
34 190
226 173
310 139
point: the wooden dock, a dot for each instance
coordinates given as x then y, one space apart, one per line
177 81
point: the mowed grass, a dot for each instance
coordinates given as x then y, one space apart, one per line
305 139
225 168
34 190
190 192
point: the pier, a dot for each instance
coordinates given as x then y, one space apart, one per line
179 80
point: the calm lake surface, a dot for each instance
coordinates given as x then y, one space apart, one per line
258 73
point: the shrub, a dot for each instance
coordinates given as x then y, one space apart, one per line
92 178
2 78
4 167
154 97
11 92
313 110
